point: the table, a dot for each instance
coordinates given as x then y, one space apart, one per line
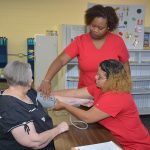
76 137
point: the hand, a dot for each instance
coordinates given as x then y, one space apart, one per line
45 88
62 127
59 105
88 104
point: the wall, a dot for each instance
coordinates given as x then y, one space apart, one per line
21 19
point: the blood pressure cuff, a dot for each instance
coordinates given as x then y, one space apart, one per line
46 102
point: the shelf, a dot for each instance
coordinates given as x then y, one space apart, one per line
144 110
147 48
140 78
72 63
133 62
143 63
139 50
140 91
72 79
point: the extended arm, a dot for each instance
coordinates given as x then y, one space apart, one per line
78 93
57 64
36 140
90 116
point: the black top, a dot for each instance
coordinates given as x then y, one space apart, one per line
14 113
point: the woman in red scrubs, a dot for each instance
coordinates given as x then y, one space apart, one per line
91 48
114 107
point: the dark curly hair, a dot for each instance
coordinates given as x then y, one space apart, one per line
105 12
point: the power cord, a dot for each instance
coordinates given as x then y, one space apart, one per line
78 121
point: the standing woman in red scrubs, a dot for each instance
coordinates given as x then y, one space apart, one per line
91 48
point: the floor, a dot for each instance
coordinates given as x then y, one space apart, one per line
146 121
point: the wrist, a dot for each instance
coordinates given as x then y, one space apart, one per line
45 80
59 129
64 105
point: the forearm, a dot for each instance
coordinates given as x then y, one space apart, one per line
77 93
52 70
79 113
57 64
46 137
90 116
42 146
33 139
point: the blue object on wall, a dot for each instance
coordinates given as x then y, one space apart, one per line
30 53
3 51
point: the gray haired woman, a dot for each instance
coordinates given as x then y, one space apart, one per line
23 123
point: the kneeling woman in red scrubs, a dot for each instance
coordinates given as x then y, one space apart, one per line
114 107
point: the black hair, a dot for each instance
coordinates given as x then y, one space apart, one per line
111 67
107 12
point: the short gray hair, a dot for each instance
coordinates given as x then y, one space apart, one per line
17 73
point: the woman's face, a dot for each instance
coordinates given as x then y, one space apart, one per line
100 78
98 28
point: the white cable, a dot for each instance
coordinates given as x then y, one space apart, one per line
79 121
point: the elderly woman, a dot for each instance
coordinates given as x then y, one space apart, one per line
114 107
23 123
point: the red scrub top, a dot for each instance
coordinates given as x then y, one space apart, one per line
124 122
89 56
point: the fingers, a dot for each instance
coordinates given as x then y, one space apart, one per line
63 126
45 89
59 105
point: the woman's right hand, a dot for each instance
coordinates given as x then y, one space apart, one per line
45 88
62 127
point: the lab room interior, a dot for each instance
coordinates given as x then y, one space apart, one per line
60 60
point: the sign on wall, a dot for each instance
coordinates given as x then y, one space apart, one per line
131 24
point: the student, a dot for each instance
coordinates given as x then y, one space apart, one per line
114 107
23 123
91 48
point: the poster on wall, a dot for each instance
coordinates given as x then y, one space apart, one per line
131 24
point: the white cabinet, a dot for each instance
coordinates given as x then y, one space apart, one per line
140 73
72 74
68 78
45 53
